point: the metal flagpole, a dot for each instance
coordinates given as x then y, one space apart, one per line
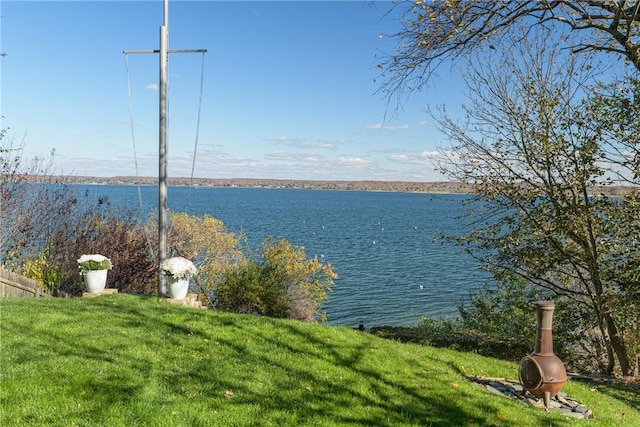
162 150
162 130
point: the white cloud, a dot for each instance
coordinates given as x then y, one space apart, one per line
355 162
389 150
295 157
283 140
151 86
325 145
301 143
379 126
424 158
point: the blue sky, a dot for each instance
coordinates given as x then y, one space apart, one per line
289 90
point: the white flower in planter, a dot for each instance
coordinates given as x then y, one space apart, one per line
94 262
178 268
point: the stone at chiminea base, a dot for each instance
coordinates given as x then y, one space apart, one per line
512 389
106 291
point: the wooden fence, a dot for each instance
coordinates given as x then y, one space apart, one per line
16 286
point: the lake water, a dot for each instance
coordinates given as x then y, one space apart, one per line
392 268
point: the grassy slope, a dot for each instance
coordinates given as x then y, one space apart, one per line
124 360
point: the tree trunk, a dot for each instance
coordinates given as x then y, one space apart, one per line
611 361
618 344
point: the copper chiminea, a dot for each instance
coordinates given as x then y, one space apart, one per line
542 372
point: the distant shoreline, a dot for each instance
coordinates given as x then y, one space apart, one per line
389 186
435 187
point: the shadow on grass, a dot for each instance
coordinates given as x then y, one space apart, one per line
270 372
627 393
382 399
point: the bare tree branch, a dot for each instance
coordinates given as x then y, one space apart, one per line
440 31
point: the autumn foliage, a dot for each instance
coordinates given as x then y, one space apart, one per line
279 282
282 283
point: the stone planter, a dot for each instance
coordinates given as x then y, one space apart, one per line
95 280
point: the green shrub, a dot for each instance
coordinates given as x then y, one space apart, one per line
497 322
451 333
501 322
40 270
305 282
253 288
282 283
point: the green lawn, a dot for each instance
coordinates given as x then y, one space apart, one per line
124 361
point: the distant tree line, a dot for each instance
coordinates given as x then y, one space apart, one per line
391 186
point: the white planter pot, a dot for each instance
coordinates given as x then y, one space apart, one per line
178 288
95 280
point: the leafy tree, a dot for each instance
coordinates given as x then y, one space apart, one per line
616 108
536 148
434 31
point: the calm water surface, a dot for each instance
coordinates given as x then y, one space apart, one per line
392 269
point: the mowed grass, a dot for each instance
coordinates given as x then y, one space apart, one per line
138 361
